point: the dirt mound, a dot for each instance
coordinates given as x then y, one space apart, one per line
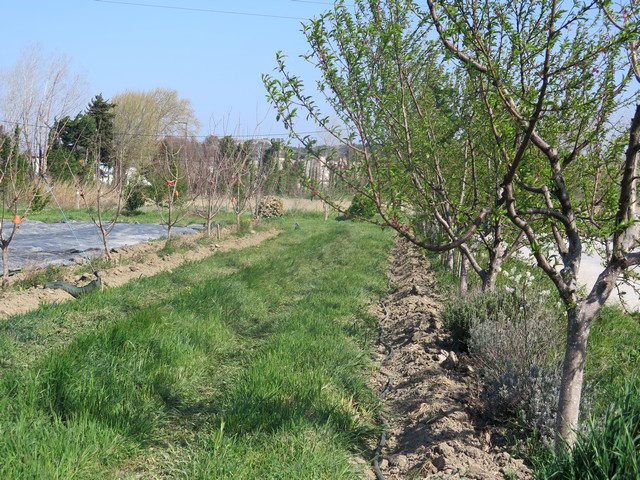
435 429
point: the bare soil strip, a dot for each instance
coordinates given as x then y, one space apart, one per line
435 428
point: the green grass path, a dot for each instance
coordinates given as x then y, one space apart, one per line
250 364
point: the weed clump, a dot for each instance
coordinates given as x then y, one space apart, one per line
40 276
361 207
525 399
134 197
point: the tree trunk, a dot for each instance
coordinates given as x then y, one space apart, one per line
209 213
579 320
578 327
170 217
495 263
489 279
464 275
450 261
5 264
105 242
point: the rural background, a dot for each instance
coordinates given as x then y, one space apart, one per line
305 239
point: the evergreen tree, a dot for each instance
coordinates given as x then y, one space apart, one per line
101 111
71 153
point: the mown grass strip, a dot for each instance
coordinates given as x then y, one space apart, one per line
259 373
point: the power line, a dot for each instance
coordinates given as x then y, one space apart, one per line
192 9
160 135
320 3
264 135
310 1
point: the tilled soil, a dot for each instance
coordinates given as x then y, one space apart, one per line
435 429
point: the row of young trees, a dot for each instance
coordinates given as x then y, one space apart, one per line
484 126
137 146
181 175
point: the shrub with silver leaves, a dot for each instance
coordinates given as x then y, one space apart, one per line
514 335
526 399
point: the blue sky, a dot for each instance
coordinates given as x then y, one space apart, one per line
215 59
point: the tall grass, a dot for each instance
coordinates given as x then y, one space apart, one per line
608 445
251 364
607 448
147 214
613 353
65 196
